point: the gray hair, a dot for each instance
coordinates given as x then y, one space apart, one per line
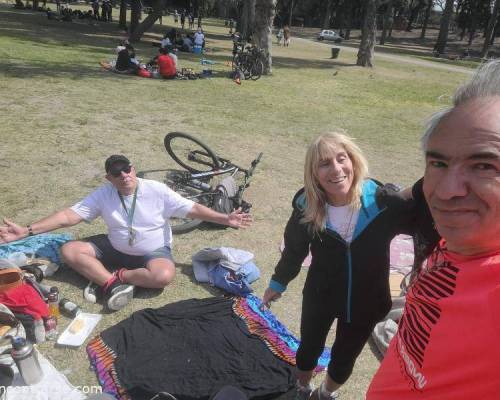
485 82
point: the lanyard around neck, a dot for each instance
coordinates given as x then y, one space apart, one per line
130 214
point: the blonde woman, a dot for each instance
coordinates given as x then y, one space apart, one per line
347 221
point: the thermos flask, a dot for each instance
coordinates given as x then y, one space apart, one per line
26 359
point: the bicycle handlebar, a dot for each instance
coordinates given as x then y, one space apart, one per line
253 165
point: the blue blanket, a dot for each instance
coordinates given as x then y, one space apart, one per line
44 245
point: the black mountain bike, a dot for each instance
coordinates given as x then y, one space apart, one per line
200 178
249 60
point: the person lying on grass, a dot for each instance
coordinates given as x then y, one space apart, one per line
137 247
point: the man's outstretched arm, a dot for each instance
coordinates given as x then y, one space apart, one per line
61 219
237 219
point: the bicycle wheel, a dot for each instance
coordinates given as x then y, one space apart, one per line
190 153
257 70
246 65
176 181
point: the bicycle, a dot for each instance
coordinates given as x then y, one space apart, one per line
248 60
198 179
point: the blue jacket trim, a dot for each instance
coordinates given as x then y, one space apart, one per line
369 208
276 286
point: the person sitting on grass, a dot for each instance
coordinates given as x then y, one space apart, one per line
126 61
166 65
139 239
187 44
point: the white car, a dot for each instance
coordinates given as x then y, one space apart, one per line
329 35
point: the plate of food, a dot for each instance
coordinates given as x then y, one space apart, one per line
79 329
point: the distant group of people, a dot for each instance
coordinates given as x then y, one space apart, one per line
64 13
163 65
183 15
182 42
68 15
106 10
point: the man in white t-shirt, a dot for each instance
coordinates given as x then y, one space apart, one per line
138 243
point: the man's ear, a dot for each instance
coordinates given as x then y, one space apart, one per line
108 177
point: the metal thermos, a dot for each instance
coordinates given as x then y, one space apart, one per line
26 359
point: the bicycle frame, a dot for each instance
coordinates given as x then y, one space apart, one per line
195 180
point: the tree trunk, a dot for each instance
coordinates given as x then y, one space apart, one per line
157 12
247 19
264 16
490 30
135 15
368 34
443 29
414 13
387 21
123 15
347 18
328 14
290 16
430 3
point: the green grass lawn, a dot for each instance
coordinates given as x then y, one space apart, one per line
62 115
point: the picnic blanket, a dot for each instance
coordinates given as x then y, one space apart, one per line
194 347
44 245
53 386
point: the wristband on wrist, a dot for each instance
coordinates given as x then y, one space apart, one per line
30 230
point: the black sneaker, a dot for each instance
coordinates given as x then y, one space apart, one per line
118 295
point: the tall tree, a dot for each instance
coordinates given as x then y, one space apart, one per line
428 10
137 30
387 21
490 30
264 17
421 4
328 14
123 14
444 27
347 11
247 19
368 34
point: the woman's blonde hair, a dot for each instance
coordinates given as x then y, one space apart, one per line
316 199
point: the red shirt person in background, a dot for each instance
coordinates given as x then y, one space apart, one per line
166 65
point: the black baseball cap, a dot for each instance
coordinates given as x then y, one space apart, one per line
115 158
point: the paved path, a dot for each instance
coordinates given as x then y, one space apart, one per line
404 59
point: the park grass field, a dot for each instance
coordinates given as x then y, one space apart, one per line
62 115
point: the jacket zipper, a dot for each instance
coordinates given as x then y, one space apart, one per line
349 272
349 283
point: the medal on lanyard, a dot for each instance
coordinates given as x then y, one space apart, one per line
130 216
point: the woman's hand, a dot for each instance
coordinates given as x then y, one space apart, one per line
269 296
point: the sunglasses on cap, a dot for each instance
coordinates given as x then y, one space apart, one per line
116 172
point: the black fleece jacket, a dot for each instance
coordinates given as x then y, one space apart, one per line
353 278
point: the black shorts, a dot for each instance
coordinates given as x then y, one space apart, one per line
113 259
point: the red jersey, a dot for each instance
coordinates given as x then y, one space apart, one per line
447 345
166 66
